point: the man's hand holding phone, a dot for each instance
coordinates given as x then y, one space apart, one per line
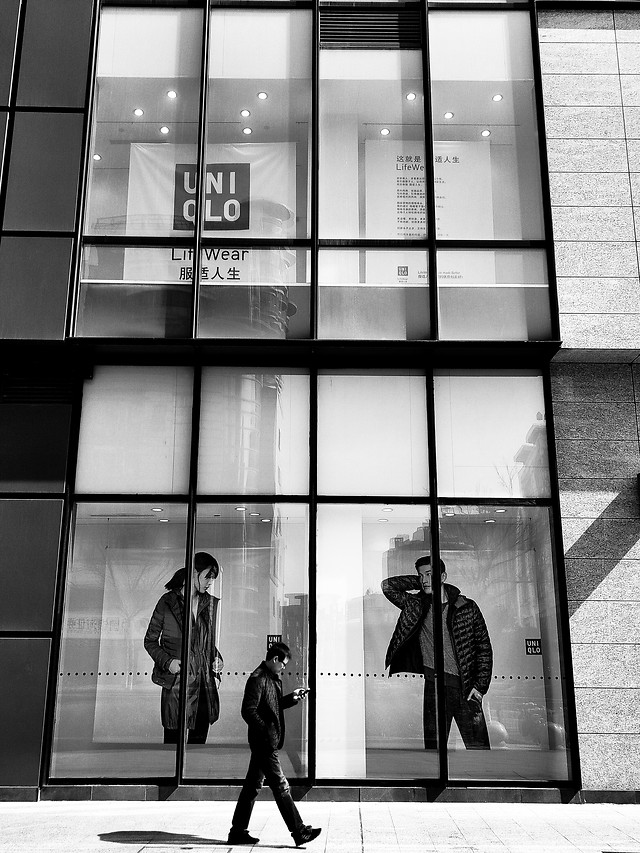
299 693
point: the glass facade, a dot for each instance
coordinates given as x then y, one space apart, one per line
312 305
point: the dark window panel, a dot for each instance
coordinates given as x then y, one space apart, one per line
34 283
23 665
42 183
55 54
8 26
28 606
34 439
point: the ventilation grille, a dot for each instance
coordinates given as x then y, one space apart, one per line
378 28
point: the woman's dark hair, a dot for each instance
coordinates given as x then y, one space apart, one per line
201 562
280 651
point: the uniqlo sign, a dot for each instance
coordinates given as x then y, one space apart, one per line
226 198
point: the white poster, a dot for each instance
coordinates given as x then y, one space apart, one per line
250 191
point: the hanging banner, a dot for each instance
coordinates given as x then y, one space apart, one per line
250 191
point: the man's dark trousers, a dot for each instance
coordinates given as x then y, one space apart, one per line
469 717
265 766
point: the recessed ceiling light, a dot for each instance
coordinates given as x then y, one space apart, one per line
385 131
171 94
497 97
501 510
449 514
387 509
156 509
411 96
266 520
164 520
245 113
263 96
247 131
138 112
383 520
486 133
254 513
490 521
448 115
164 129
241 509
97 157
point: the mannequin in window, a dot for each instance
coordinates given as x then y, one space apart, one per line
163 641
468 656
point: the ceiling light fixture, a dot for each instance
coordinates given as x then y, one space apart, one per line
385 131
501 510
245 113
164 520
247 131
138 112
263 96
164 129
486 133
490 521
172 94
387 509
497 97
265 520
383 520
97 157
411 96
241 509
448 115
156 509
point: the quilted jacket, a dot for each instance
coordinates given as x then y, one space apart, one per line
262 707
469 635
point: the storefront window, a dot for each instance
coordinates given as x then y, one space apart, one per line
258 124
372 434
372 172
254 432
494 295
262 595
135 431
254 293
370 723
487 169
491 434
107 717
373 295
501 558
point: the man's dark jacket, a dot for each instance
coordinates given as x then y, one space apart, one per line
262 707
469 635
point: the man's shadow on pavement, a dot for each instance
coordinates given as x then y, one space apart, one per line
155 837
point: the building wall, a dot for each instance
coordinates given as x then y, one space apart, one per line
591 83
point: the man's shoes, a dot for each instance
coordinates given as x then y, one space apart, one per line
306 834
241 836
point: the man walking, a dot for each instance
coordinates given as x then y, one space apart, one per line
468 656
262 710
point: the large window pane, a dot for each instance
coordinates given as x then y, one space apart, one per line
145 122
501 557
258 124
487 167
370 724
372 434
263 592
135 292
379 295
501 295
254 432
8 26
34 442
491 434
371 145
254 293
108 714
135 431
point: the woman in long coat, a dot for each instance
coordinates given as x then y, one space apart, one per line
163 641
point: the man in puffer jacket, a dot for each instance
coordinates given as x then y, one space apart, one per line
468 657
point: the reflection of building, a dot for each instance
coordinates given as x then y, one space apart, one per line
106 315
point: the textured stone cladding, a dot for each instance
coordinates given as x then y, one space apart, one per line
596 414
591 87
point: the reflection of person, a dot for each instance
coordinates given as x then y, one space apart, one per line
163 641
262 710
468 657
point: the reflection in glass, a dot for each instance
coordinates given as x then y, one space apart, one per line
133 292
145 121
365 295
258 125
263 589
135 431
254 432
254 293
501 295
487 169
371 145
369 724
107 720
372 434
491 434
502 557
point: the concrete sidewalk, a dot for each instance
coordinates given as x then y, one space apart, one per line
383 827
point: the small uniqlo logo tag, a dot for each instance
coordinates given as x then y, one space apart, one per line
403 272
